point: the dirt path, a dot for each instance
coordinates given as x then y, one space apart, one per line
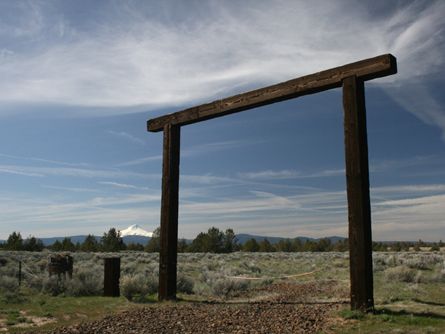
288 308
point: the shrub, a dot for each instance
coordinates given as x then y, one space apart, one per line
223 287
35 282
392 261
379 263
8 283
138 285
85 283
184 284
437 277
53 285
400 274
423 261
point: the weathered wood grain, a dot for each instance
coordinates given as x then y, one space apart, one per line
367 69
169 213
357 184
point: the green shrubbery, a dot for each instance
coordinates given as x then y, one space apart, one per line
137 286
184 284
400 274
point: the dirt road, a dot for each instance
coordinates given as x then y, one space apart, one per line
278 308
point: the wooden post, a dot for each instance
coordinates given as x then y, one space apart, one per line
20 273
169 213
112 272
357 179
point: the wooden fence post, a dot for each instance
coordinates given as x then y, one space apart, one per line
20 273
112 272
169 213
357 179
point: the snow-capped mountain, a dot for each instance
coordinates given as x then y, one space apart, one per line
135 230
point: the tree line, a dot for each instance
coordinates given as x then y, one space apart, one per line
212 241
109 242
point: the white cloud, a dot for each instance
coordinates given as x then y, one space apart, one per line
205 179
18 171
140 161
407 212
121 185
410 218
137 59
72 189
196 150
127 136
417 99
270 174
34 159
289 174
26 213
36 171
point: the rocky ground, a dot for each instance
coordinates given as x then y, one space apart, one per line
278 308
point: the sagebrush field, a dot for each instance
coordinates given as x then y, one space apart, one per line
409 290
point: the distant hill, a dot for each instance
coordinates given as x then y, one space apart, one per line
136 239
74 239
242 238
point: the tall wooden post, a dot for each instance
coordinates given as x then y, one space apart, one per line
357 179
169 213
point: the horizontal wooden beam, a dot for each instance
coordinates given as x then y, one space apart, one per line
367 69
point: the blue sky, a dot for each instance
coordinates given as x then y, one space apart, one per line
79 80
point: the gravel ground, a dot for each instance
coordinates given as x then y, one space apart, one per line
283 311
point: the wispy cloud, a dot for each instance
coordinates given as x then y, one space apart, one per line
410 218
375 167
121 185
395 164
206 179
72 189
270 174
405 212
140 161
94 215
196 150
145 63
417 99
46 161
126 136
289 174
18 171
217 146
36 171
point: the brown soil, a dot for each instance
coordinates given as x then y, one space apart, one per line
288 308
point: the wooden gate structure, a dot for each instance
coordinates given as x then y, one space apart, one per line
351 78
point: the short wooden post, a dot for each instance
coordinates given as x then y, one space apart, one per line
112 272
169 213
357 179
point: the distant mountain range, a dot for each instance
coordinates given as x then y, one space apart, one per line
135 234
242 238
